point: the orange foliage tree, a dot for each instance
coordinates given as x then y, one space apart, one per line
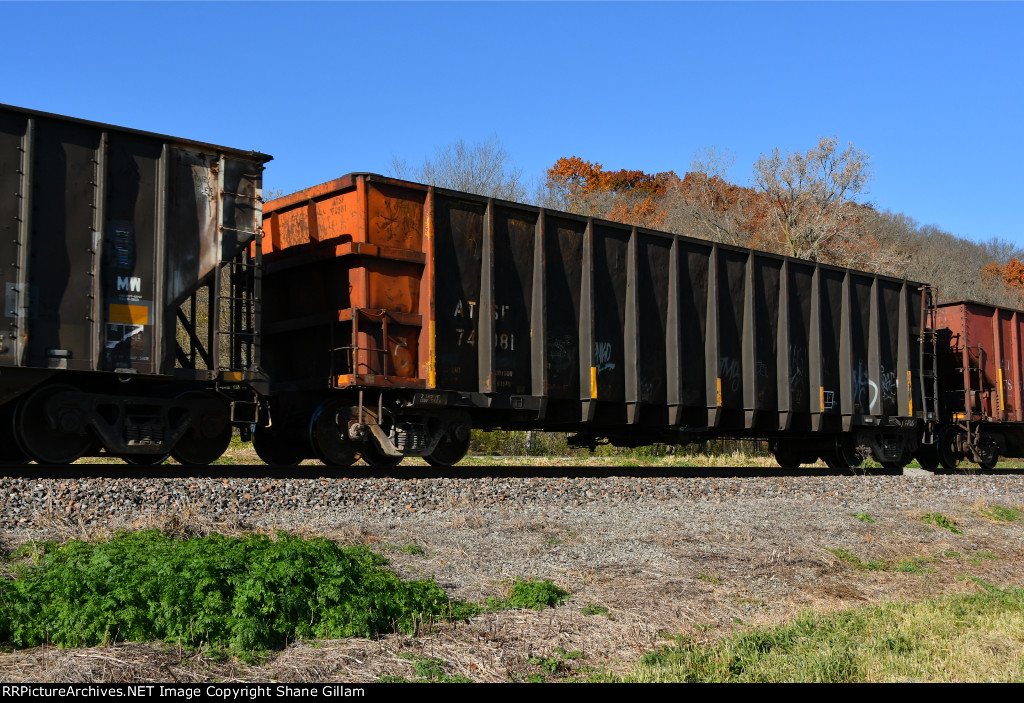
629 196
1009 276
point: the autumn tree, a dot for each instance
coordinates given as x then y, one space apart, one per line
484 168
1006 280
705 204
629 196
811 197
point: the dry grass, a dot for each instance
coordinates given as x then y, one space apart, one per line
641 561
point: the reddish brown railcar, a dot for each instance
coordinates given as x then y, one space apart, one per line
982 368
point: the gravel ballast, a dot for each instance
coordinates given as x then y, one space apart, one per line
700 555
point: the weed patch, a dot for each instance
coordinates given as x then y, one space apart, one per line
246 594
593 609
865 518
714 580
530 594
553 665
940 520
913 565
976 559
427 670
1000 513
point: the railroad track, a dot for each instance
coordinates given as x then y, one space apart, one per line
172 471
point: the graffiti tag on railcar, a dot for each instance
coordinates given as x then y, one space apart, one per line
888 385
862 384
797 371
729 370
603 356
828 399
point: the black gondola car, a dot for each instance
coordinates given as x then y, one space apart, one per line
398 315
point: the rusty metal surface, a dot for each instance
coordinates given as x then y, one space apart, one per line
987 367
347 274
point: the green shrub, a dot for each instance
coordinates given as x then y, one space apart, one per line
530 594
247 594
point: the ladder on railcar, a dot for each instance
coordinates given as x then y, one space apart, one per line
239 317
929 363
239 282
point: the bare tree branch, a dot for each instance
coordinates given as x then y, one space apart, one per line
810 197
484 168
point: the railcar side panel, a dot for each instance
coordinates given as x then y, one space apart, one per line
459 251
563 240
767 290
699 388
514 236
610 254
797 336
656 353
107 231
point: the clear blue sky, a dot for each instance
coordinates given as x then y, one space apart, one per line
932 91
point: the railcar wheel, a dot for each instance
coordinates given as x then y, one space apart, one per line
787 455
277 448
209 435
373 456
845 454
949 456
60 441
986 453
448 452
989 465
328 433
928 456
10 453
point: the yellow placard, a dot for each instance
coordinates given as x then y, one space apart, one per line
593 381
129 314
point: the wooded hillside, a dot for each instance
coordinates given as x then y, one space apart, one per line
812 205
